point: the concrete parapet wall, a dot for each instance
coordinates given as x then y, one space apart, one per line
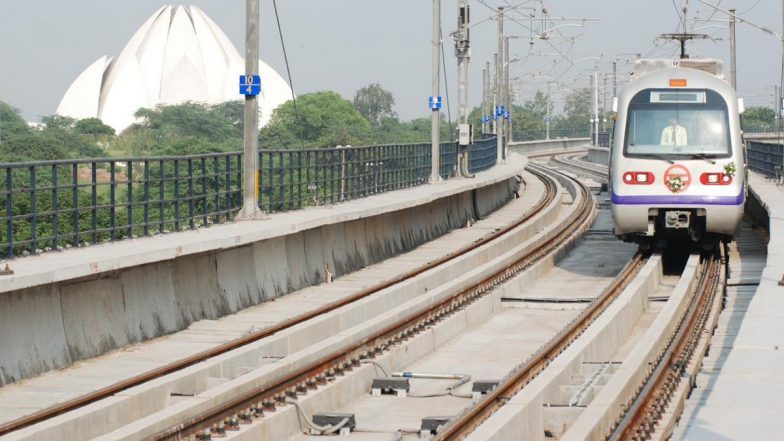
528 147
599 155
53 324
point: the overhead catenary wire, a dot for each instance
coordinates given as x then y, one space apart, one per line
446 91
288 72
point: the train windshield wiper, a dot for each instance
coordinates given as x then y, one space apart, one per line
662 157
702 156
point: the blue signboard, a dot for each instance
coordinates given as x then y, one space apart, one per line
250 85
434 104
499 110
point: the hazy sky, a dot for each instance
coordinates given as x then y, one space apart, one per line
343 45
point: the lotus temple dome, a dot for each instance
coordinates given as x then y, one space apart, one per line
179 54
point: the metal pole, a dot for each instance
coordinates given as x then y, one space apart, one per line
485 109
494 120
484 99
777 106
733 65
250 207
604 106
596 107
463 53
547 118
615 79
435 114
499 84
507 98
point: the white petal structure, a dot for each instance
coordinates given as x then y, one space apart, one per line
179 54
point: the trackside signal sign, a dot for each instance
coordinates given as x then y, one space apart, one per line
250 85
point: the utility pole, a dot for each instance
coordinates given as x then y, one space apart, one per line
435 111
499 119
547 118
733 65
494 119
250 206
615 79
604 106
486 99
507 121
777 106
463 53
596 107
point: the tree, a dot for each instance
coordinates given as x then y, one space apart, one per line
32 146
11 123
374 103
163 129
233 111
58 122
539 104
325 120
189 119
92 126
578 108
759 119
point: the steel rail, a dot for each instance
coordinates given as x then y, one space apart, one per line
654 395
265 396
569 161
105 392
521 376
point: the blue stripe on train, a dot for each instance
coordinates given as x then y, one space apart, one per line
677 200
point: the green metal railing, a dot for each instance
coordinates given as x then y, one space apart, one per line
555 132
52 205
766 158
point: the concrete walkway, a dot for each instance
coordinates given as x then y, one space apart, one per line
740 388
76 263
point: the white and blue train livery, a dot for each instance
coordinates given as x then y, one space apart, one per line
677 160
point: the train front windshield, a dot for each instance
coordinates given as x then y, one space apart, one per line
677 124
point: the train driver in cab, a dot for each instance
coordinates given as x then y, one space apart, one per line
674 134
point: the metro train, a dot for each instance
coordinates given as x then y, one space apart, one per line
677 162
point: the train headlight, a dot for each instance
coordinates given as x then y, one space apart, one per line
715 179
638 178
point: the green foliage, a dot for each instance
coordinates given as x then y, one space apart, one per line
10 121
759 119
325 120
538 105
54 139
578 108
92 126
189 120
392 131
58 122
32 146
375 103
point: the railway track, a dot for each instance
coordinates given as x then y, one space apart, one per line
517 379
653 409
647 408
275 392
244 408
268 396
573 161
